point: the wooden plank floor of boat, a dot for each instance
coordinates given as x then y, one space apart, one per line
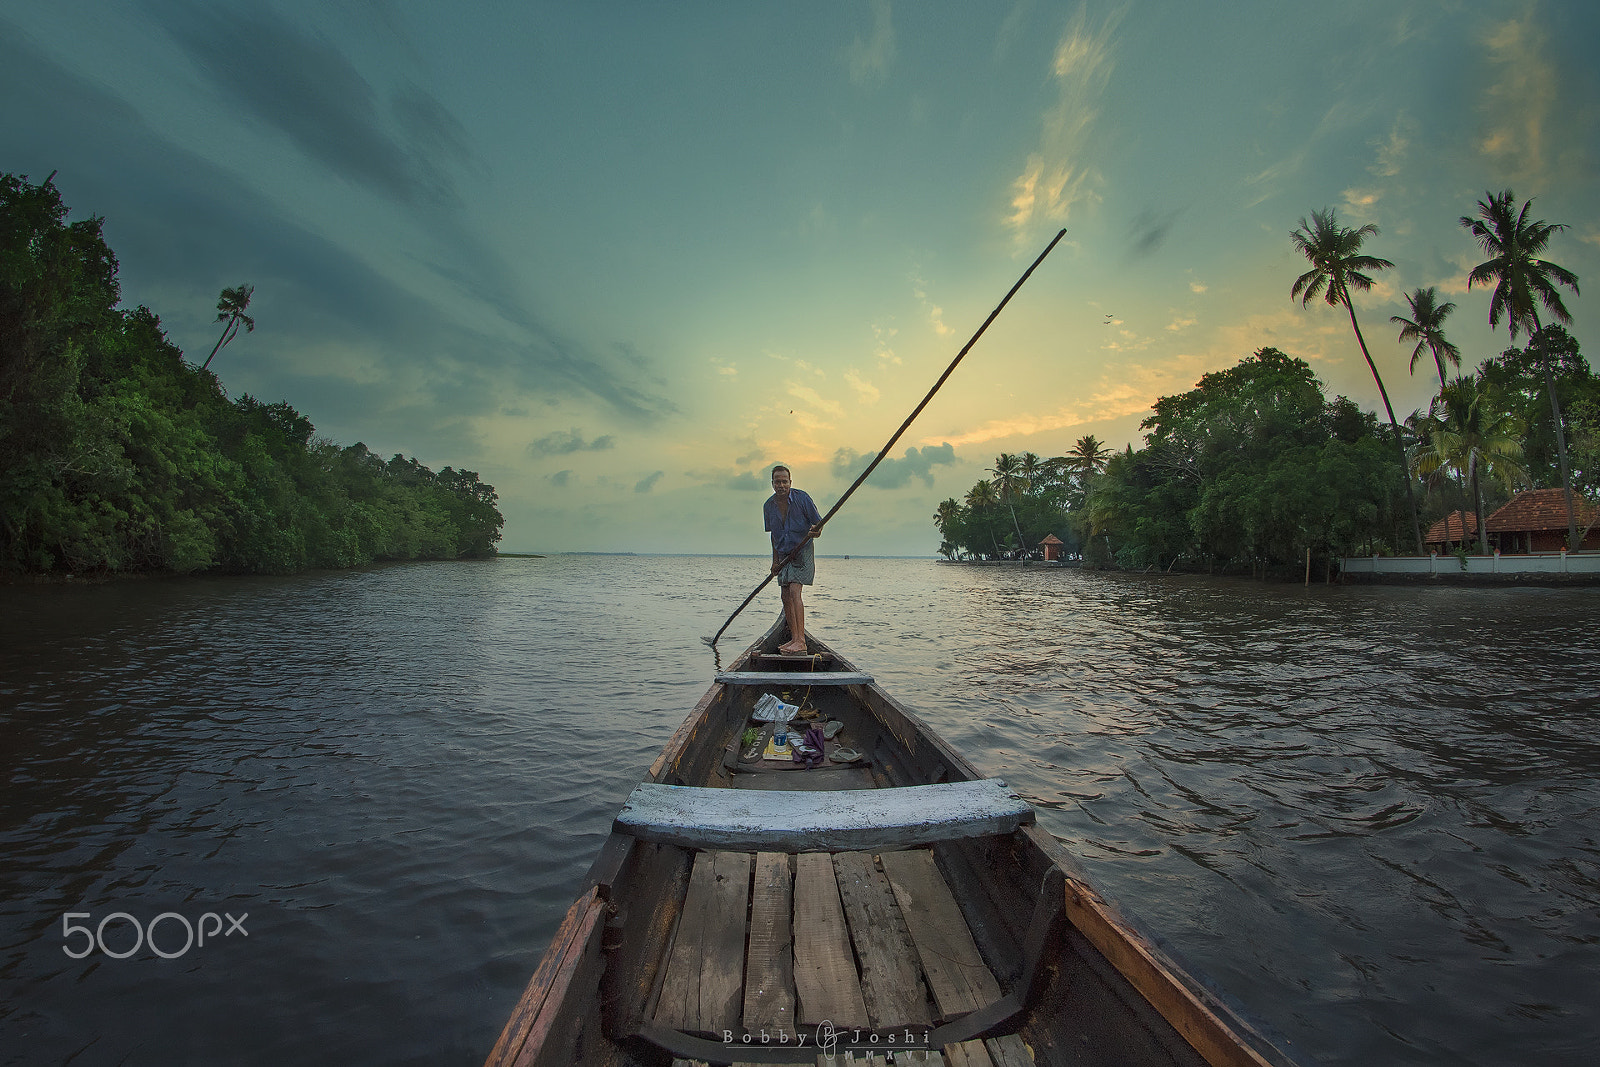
854 939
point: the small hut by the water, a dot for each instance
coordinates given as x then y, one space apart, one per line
1447 531
1536 521
1052 546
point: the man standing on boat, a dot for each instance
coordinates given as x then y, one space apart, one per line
792 520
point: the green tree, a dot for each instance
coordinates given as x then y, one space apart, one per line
982 502
947 519
1522 282
1248 469
231 306
117 455
1008 482
1472 432
1337 266
1088 458
1426 327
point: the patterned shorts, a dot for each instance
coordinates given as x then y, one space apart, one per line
802 569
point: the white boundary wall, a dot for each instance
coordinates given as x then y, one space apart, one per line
1529 563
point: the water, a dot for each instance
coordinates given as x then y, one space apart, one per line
1369 813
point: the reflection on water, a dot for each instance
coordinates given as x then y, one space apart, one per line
1370 814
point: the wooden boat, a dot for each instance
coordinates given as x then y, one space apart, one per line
747 910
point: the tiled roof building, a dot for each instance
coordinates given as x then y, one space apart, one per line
1448 529
1536 521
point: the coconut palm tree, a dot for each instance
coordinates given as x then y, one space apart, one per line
1521 283
980 500
1337 266
946 519
230 309
1032 468
1426 327
1008 480
1088 458
1471 431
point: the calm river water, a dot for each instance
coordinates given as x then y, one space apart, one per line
1372 815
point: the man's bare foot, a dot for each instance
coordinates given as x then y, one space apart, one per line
793 649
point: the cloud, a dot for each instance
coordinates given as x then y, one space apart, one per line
808 395
1517 106
869 60
919 289
1267 180
647 483
1148 232
402 145
566 442
745 482
308 91
561 478
1181 324
894 473
332 327
865 390
881 336
1358 203
1057 176
1197 287
1392 151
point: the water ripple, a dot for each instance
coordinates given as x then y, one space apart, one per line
1369 814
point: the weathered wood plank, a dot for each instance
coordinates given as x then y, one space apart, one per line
957 976
722 955
891 977
769 968
1149 971
569 939
679 1006
1009 1051
570 1009
967 1054
790 820
826 984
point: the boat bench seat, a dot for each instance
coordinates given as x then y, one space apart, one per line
794 678
850 820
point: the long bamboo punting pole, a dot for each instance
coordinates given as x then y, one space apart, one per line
712 641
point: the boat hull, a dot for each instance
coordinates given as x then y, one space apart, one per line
1082 984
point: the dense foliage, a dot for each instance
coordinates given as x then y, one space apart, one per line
1255 469
116 455
1247 470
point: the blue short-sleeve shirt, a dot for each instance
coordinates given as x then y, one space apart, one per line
788 531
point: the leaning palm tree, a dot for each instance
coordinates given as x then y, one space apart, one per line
1426 327
1472 432
1521 283
230 309
1337 266
1008 480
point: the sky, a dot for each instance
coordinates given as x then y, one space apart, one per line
619 258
